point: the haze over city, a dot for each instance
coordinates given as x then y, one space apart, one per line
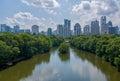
49 13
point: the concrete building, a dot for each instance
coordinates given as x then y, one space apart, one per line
104 25
95 27
86 30
35 29
77 29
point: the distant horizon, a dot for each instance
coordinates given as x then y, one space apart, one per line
49 13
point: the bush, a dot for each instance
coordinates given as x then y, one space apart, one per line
64 48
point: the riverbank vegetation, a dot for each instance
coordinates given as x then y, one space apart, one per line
105 46
15 47
64 48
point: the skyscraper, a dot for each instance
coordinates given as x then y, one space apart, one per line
16 29
35 29
86 30
60 30
67 27
104 25
110 24
77 29
114 30
95 27
49 32
5 28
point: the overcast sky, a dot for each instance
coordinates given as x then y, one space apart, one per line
48 13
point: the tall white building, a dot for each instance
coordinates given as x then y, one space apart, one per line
77 29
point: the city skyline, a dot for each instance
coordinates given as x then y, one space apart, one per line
49 13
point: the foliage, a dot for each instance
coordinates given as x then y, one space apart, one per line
15 46
106 46
64 48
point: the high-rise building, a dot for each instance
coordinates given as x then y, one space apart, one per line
77 29
104 25
60 30
110 24
86 30
16 29
5 28
67 23
35 29
114 30
67 27
49 32
95 27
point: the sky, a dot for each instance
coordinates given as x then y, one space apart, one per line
49 13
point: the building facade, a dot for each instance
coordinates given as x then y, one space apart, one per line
104 25
95 27
16 29
77 29
86 30
35 29
60 31
49 32
67 27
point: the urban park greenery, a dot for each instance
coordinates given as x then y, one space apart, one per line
105 46
64 48
14 47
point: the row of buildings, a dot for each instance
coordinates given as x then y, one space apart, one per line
64 30
96 27
16 29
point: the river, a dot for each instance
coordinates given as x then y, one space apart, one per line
75 66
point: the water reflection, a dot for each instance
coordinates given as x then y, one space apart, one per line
24 68
76 66
75 69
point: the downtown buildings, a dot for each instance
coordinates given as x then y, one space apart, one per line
64 30
77 29
35 29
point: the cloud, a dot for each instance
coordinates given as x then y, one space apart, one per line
51 12
25 15
42 3
87 10
25 20
100 7
84 5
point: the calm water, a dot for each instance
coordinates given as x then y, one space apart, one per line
76 66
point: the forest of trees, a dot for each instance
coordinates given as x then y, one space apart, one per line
16 46
105 46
